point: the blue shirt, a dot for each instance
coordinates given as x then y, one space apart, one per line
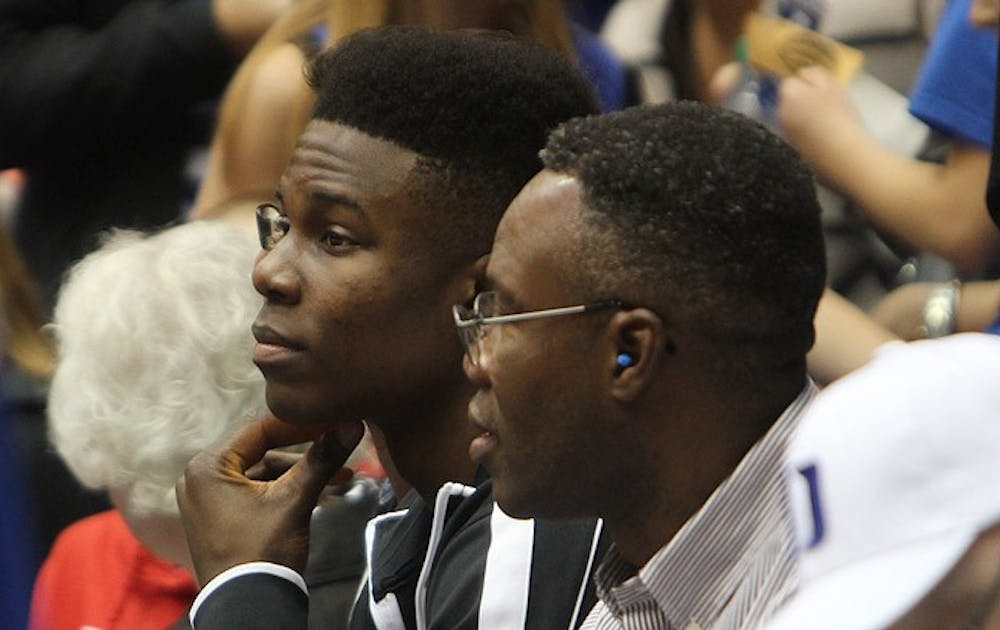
16 550
954 92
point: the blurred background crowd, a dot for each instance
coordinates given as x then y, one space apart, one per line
137 136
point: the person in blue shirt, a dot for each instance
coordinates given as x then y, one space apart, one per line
938 208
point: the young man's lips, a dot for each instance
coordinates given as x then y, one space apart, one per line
272 346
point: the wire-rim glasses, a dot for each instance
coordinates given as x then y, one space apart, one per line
272 225
472 323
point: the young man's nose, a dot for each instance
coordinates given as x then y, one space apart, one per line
275 275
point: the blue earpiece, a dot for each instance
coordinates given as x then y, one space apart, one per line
624 360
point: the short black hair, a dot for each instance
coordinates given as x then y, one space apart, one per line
704 214
475 106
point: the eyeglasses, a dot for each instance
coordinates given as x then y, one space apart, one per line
472 323
271 225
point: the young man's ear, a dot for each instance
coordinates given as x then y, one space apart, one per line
640 341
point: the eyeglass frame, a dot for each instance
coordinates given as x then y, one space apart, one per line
265 225
478 323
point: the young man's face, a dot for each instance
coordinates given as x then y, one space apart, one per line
356 318
544 438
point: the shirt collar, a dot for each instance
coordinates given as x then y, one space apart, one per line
696 572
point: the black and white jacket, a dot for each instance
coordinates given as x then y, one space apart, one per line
460 563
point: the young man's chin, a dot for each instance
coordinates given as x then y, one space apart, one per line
288 407
523 504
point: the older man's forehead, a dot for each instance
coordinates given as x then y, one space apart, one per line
541 222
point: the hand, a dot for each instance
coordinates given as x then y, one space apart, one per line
231 518
816 115
902 309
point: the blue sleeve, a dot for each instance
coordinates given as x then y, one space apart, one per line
16 566
599 64
954 92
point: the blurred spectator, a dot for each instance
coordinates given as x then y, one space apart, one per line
846 338
933 207
267 104
104 103
673 48
986 13
52 497
154 364
920 310
895 482
16 537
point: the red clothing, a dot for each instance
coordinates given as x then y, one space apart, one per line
98 575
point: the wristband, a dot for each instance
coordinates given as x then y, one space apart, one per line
940 312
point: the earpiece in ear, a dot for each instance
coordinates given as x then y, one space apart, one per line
624 360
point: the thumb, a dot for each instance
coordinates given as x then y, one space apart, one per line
324 459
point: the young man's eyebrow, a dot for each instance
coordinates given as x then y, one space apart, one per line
330 198
326 198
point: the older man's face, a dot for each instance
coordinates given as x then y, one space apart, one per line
538 410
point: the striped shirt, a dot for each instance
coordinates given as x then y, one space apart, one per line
729 567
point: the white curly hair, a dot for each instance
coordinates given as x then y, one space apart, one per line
154 357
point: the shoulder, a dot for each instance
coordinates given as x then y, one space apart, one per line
276 82
86 559
100 529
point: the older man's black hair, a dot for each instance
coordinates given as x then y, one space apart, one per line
477 107
706 216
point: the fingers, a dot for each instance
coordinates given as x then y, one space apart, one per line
724 81
248 446
324 459
273 465
810 76
815 75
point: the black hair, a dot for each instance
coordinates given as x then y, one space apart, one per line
705 215
475 106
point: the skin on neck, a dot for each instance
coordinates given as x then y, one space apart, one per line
428 445
162 534
685 457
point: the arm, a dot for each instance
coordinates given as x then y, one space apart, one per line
249 155
933 207
715 27
846 338
260 598
67 85
901 311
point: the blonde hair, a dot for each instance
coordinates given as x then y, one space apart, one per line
21 316
547 25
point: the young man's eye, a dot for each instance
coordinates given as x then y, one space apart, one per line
336 241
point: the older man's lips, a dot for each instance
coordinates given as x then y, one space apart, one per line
483 444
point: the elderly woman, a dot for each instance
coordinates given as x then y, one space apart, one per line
154 364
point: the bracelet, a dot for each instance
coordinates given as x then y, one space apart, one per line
941 310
